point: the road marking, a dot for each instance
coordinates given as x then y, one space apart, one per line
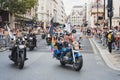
94 49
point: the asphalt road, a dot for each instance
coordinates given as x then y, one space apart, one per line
42 66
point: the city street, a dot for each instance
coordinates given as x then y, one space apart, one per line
42 66
91 26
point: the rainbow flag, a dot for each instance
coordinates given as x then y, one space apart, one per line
53 47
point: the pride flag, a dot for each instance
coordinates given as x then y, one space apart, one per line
53 47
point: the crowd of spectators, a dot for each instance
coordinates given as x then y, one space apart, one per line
4 36
102 35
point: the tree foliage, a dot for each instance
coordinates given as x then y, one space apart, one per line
18 6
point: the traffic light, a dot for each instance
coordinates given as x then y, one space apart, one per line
110 14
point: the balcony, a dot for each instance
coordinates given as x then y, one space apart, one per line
94 10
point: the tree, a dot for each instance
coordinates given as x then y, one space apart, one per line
18 6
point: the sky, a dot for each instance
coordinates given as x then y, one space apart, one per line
70 3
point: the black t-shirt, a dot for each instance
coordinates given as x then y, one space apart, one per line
65 44
59 44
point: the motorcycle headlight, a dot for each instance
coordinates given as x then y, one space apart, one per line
48 35
21 46
25 37
30 38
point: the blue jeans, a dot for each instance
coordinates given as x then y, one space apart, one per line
113 45
1 37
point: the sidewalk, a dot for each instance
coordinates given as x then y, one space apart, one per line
111 59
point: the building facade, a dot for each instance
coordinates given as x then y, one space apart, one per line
96 15
116 13
77 16
48 9
61 15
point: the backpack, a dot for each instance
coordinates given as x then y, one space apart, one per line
109 37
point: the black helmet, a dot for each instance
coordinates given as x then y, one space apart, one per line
55 37
59 39
61 35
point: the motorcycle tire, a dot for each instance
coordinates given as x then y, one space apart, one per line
62 63
48 44
78 64
43 36
16 63
31 48
21 61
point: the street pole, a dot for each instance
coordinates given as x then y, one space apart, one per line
104 12
110 11
119 11
110 22
85 14
97 13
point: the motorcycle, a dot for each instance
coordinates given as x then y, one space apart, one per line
48 39
68 55
19 52
43 36
26 40
31 44
79 41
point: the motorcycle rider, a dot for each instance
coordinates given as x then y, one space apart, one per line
32 34
67 37
61 46
17 35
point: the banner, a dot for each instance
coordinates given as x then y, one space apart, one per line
68 26
9 31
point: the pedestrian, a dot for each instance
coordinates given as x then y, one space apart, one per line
104 37
88 32
1 34
119 40
114 46
110 39
19 33
6 37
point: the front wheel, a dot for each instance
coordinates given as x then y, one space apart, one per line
21 61
43 36
78 64
48 43
62 63
31 48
